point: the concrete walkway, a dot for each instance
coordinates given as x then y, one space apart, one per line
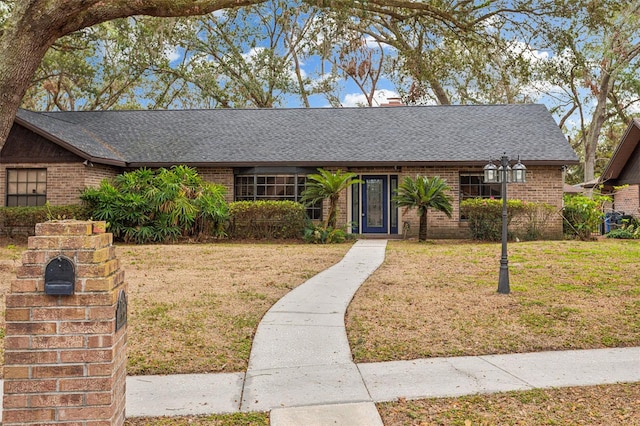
301 368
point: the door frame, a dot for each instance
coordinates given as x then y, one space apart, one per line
357 198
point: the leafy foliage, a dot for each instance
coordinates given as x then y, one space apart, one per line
582 215
327 185
319 234
266 219
22 220
535 216
630 230
155 206
423 193
485 218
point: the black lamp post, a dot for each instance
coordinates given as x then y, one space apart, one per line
504 174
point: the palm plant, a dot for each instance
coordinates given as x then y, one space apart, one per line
424 193
328 185
145 205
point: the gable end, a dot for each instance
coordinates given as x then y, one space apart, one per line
25 146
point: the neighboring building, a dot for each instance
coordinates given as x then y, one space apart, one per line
267 153
621 177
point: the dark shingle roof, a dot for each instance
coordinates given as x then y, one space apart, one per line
323 136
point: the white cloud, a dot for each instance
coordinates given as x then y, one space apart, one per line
359 99
172 54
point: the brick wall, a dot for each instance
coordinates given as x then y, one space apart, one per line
544 185
627 200
221 176
65 181
65 362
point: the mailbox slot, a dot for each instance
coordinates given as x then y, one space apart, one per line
59 277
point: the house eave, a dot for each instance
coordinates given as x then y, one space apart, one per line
620 156
333 164
69 147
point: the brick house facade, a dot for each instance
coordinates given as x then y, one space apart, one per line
621 177
73 161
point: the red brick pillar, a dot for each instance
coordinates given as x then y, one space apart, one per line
65 355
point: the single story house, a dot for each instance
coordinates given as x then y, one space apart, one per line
267 154
621 176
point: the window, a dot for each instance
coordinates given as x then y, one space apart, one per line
472 186
274 187
26 187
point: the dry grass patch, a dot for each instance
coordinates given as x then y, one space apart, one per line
235 419
195 308
440 299
597 405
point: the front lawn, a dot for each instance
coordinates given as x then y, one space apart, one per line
194 309
440 299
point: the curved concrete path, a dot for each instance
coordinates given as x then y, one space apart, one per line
300 354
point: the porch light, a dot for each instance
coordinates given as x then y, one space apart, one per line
519 172
490 173
504 172
503 175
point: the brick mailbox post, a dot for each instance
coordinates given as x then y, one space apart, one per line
66 333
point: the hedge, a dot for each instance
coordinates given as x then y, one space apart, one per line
23 220
266 219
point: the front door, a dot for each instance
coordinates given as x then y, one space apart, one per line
375 204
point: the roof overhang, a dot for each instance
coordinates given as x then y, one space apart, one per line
71 148
623 152
328 164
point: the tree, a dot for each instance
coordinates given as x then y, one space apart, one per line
326 185
423 193
594 72
32 27
247 57
107 66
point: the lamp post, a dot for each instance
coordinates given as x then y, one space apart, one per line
504 174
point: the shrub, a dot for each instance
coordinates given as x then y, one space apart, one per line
267 219
485 217
320 234
534 217
630 229
154 206
23 220
582 215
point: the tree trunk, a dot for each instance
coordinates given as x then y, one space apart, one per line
422 232
21 49
597 121
438 90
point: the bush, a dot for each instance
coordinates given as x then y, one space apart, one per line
534 217
485 218
267 219
630 229
582 215
320 234
23 220
154 206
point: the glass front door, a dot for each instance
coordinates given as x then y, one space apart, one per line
375 204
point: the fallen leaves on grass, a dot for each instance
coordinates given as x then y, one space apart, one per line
617 404
440 299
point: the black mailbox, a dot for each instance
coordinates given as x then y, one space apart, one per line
59 277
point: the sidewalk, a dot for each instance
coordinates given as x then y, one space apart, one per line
387 381
301 370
